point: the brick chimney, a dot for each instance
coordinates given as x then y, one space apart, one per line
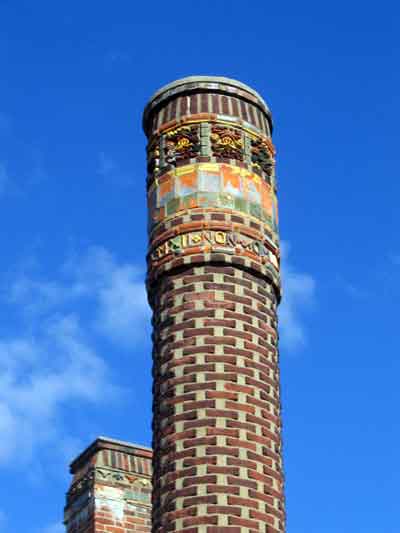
110 490
214 287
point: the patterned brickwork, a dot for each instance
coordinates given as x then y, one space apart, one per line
110 490
214 286
216 401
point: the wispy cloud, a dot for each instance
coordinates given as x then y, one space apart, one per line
54 360
298 295
38 374
122 313
116 291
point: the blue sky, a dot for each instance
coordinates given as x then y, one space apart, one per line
74 328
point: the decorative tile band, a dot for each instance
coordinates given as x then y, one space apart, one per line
230 242
212 185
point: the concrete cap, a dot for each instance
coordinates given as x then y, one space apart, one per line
192 84
105 443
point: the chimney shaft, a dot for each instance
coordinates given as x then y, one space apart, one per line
214 286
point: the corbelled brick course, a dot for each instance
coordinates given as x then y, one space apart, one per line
213 283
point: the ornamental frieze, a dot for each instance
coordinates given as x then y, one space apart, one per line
262 153
230 241
180 144
213 140
153 158
115 477
227 143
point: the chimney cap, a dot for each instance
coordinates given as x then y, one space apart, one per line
105 443
192 84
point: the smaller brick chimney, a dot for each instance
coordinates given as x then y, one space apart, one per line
110 490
